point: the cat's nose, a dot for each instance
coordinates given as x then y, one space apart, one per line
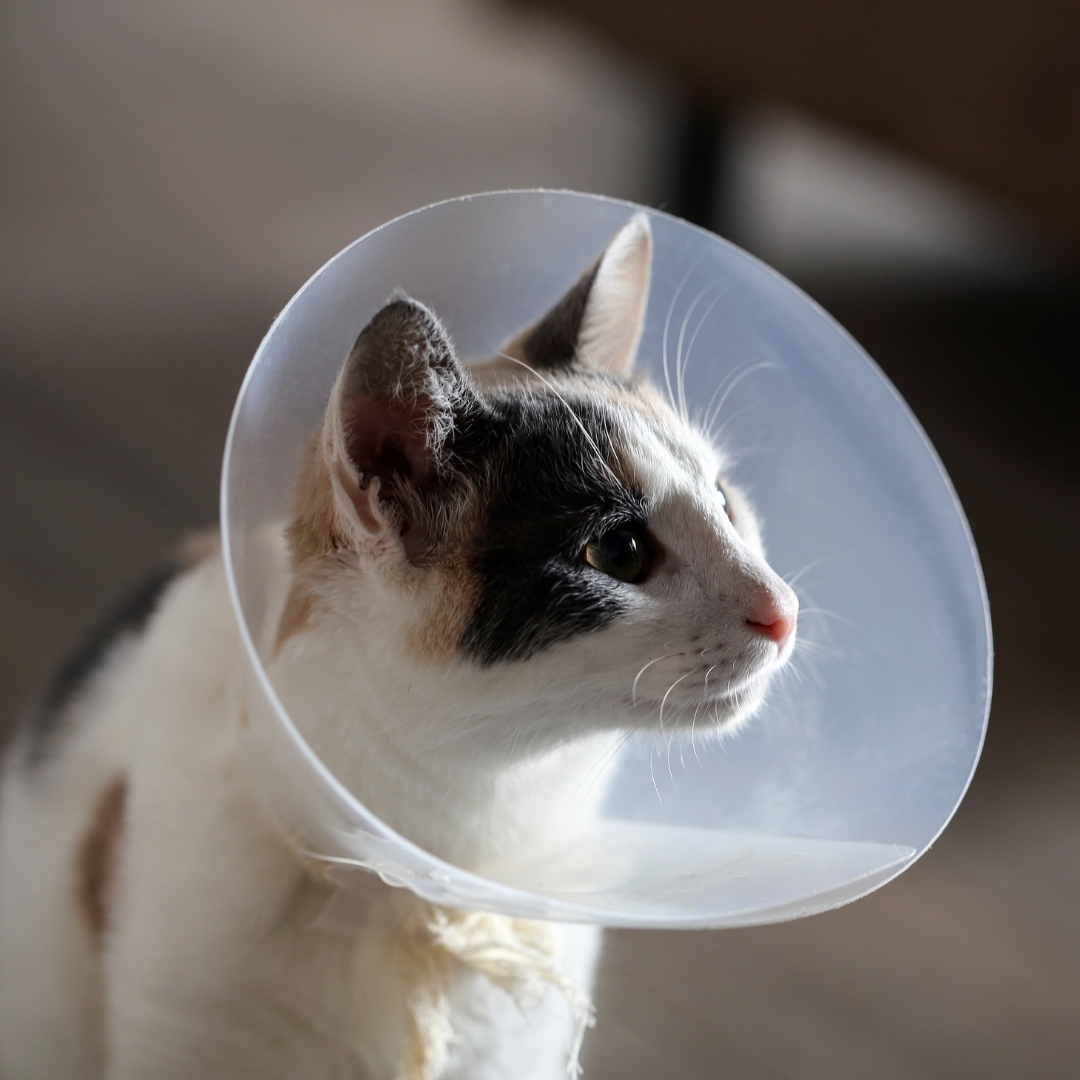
773 612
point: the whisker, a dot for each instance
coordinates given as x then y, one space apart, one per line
711 418
806 569
667 327
712 400
671 739
805 644
717 437
690 348
652 773
663 702
827 613
597 770
679 368
693 723
633 689
585 431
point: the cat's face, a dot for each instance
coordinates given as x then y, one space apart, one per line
541 533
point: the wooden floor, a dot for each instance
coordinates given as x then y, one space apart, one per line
171 176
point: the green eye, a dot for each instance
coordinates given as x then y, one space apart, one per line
619 553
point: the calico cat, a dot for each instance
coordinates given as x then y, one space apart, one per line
495 570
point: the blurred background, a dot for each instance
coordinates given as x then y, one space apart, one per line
173 170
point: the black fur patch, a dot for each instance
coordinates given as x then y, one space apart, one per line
71 676
553 343
546 490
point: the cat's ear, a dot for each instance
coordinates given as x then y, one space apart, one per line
390 424
598 323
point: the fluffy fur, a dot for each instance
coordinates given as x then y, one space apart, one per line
449 647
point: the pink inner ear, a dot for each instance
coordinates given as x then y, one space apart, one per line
388 442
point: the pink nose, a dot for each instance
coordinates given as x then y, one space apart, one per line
774 615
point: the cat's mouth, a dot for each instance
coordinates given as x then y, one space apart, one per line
708 684
699 694
743 695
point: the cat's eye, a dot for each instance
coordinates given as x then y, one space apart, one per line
620 553
724 501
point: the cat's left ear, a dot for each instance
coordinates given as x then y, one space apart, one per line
399 402
598 323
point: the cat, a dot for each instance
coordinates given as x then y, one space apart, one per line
496 569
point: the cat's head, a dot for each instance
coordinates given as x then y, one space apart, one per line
542 533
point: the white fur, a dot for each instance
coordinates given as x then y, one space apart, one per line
211 967
616 312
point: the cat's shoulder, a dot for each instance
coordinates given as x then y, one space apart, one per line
47 720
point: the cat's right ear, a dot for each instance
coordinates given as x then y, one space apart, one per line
597 324
390 423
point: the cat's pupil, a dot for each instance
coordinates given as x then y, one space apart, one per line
620 553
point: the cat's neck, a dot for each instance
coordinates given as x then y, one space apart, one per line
468 784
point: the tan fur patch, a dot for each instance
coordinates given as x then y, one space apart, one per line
199 546
96 856
646 398
436 638
506 367
313 530
296 616
313 533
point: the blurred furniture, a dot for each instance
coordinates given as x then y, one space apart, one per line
990 90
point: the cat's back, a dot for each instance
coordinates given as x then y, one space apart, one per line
176 619
162 662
